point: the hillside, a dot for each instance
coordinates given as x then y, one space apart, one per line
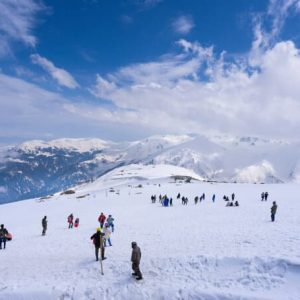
203 251
39 168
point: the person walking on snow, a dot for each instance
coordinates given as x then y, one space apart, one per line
102 219
98 240
44 225
107 233
3 234
266 196
213 198
110 221
273 211
262 196
136 259
70 220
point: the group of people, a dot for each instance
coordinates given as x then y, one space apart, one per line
71 221
264 196
102 236
167 201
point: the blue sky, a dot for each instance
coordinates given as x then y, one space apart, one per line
126 69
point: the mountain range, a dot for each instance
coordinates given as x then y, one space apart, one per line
39 168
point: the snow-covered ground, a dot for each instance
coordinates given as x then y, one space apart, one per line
203 251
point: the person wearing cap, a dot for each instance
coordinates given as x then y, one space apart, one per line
135 259
98 240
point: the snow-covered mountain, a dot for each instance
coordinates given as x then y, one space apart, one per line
38 168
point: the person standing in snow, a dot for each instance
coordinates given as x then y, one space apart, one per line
102 219
70 220
266 196
273 211
107 233
262 196
3 234
136 259
171 202
232 196
213 198
98 240
110 221
44 225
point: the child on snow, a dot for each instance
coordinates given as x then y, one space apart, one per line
76 223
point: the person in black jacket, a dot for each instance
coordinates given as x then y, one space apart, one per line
135 259
44 224
3 233
98 240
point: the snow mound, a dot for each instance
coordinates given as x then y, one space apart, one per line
259 173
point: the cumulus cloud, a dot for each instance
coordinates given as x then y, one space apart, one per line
62 77
197 90
17 21
183 24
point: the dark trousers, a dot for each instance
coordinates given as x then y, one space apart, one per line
136 269
273 217
70 225
44 230
3 240
97 252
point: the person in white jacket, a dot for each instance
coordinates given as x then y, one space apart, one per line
107 233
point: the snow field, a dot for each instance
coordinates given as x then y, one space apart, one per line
203 251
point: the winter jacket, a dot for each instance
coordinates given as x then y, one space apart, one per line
3 232
102 218
274 209
98 239
136 255
110 220
44 223
70 219
107 232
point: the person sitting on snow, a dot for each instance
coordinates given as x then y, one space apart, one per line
76 223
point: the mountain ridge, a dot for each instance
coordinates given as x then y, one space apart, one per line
37 168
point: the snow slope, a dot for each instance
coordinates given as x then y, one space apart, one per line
203 251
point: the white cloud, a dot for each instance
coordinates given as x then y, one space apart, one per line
276 15
198 91
102 87
183 24
62 77
17 21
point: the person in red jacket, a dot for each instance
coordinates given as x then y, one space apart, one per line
70 220
102 219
